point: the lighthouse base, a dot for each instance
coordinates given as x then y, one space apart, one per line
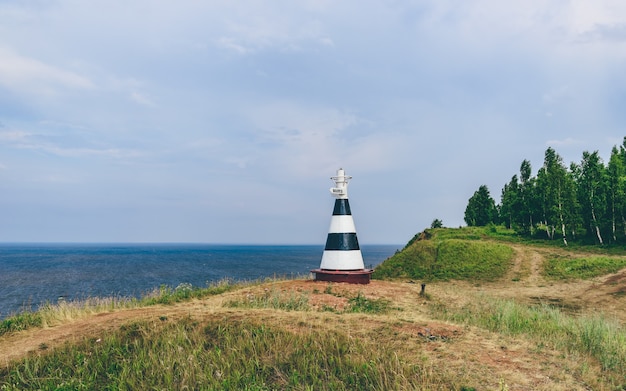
361 276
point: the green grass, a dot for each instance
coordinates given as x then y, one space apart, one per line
299 301
446 254
565 268
362 304
483 254
223 354
274 299
53 313
185 291
19 322
462 259
596 336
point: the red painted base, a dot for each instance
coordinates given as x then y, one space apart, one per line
350 276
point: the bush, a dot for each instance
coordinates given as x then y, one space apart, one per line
360 303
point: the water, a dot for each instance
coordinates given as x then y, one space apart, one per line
33 274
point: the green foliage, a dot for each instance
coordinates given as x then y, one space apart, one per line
449 254
21 321
49 313
436 224
563 268
185 291
360 303
226 354
481 208
584 203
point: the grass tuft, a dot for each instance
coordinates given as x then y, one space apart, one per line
595 336
22 321
226 354
566 268
63 311
360 303
272 298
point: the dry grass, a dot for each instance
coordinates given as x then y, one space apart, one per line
408 346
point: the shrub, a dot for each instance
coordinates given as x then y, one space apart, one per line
360 303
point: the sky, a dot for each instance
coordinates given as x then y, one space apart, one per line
223 121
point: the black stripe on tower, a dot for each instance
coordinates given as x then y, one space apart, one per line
344 241
342 207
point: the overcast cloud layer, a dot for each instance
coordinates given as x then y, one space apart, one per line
222 121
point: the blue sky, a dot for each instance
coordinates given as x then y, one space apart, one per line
222 121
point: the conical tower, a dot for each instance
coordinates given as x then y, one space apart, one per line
342 260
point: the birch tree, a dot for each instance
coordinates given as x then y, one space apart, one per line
510 207
556 187
616 181
592 193
527 197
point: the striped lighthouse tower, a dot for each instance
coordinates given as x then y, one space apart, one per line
342 260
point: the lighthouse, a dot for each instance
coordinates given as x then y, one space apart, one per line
342 260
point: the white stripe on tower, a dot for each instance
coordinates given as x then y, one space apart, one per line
342 251
339 224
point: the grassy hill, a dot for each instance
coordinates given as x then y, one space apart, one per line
499 313
449 254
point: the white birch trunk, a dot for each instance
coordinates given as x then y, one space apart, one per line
595 223
561 218
613 219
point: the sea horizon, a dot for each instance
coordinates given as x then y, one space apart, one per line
36 273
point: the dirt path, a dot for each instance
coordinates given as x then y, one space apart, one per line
525 282
536 263
526 268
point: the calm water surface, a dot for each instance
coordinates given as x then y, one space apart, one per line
33 274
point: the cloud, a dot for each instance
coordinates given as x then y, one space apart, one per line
615 33
232 44
556 94
23 74
14 136
141 99
198 98
262 27
318 139
566 142
28 141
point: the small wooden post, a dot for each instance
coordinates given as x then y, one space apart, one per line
423 291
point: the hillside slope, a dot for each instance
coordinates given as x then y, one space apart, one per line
385 335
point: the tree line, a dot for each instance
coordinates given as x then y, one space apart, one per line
585 201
